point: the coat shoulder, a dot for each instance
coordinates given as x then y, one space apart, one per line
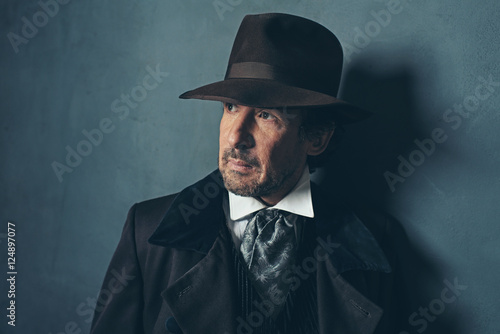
148 214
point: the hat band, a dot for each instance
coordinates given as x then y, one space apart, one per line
256 70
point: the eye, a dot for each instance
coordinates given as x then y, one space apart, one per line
230 107
265 115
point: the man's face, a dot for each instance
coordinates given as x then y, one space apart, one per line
260 151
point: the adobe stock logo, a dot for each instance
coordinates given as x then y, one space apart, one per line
223 6
452 116
381 20
121 107
116 284
425 315
295 276
29 30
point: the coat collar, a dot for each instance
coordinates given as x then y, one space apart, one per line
194 219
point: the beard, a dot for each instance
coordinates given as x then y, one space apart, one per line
252 185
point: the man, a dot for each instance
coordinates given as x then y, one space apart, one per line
255 247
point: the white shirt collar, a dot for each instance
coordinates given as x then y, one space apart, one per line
298 201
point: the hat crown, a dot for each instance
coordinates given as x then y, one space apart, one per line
287 48
282 60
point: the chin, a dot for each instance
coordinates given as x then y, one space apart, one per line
239 184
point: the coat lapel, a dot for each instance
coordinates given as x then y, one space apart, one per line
355 246
203 300
341 308
193 220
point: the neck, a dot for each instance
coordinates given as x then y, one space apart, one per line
269 201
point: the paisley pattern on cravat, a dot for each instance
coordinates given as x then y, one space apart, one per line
269 249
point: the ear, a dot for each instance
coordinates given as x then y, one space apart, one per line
319 143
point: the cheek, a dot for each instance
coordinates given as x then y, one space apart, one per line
267 154
222 142
277 155
222 133
291 152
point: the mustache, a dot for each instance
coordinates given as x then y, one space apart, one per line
232 153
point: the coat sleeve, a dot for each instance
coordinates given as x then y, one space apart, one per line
120 302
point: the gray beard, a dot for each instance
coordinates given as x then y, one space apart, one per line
273 181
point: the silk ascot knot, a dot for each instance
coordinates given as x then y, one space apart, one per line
269 248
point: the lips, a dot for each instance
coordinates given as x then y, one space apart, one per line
239 165
239 162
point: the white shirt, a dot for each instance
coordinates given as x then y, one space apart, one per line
241 209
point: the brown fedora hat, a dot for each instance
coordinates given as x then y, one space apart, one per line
282 60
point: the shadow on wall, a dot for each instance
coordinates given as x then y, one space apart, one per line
356 175
370 147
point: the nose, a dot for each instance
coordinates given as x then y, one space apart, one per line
241 129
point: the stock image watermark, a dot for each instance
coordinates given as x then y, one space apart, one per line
453 116
223 6
11 274
120 107
293 276
201 198
91 305
421 319
363 36
30 28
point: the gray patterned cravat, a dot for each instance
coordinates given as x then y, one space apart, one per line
269 247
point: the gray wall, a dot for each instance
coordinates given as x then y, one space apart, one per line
411 70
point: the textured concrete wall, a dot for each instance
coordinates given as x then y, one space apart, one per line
112 71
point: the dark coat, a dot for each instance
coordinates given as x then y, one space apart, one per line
170 269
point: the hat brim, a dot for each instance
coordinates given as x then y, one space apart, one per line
272 94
